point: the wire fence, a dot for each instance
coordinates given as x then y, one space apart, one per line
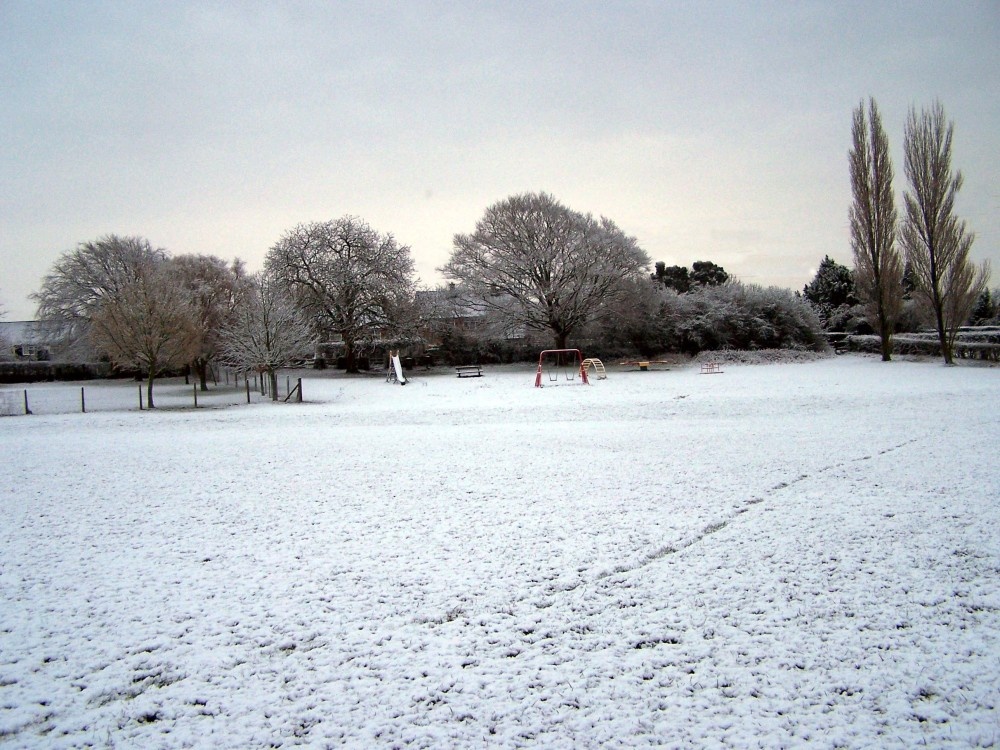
112 395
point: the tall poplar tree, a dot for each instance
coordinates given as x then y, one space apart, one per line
936 242
878 263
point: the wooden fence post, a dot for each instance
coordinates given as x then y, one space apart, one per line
140 398
26 409
83 402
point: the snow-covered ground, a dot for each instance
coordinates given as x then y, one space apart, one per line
779 555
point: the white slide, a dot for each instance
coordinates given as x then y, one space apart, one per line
398 366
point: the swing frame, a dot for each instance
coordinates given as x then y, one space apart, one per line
579 369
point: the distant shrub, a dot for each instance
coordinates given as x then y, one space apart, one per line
741 316
914 316
462 348
633 324
652 320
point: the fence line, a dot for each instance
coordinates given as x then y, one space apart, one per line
111 396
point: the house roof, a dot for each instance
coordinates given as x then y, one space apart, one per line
26 331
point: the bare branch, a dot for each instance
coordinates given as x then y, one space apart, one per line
266 331
346 277
559 267
877 261
148 324
936 242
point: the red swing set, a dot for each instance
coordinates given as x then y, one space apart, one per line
568 362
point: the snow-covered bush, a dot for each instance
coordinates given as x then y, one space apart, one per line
741 316
632 324
987 309
914 316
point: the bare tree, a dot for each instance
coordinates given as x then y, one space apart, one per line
211 284
82 280
266 331
348 278
548 267
878 263
935 240
149 324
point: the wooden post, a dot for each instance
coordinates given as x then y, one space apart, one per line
248 389
26 409
288 388
140 398
299 386
195 391
83 402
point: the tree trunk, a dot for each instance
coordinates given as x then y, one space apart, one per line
560 340
949 358
272 378
938 304
350 358
885 334
884 325
201 367
886 348
943 333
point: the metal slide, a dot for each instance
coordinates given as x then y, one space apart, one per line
398 367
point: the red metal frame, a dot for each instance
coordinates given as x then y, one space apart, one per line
579 359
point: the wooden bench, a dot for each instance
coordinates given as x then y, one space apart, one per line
469 371
711 368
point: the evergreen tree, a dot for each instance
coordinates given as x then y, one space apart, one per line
984 311
707 273
831 292
672 277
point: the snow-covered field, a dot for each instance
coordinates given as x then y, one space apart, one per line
778 555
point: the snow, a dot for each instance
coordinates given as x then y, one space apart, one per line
780 555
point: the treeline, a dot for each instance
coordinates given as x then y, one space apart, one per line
834 295
533 273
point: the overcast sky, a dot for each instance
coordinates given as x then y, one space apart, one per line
709 130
